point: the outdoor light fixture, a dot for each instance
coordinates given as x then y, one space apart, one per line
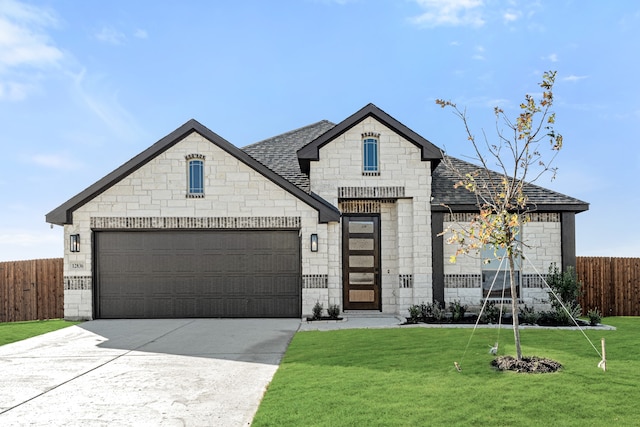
314 243
74 241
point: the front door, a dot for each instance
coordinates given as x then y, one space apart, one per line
361 262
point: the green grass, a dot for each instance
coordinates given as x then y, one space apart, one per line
406 377
18 331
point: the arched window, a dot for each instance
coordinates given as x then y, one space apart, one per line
195 175
370 162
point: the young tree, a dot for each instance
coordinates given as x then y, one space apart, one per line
516 152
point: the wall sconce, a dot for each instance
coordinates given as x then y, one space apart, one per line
74 243
314 243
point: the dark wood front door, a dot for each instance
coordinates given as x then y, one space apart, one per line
361 262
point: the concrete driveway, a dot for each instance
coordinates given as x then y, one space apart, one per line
195 372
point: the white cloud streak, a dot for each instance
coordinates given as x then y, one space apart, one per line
141 34
111 36
573 78
55 161
450 13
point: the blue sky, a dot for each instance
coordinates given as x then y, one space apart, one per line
86 85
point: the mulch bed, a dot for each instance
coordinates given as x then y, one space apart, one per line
528 364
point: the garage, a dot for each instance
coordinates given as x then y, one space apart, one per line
197 273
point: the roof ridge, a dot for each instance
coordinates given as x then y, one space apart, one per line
289 132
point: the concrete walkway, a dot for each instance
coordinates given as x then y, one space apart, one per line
196 372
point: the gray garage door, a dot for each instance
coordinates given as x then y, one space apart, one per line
164 274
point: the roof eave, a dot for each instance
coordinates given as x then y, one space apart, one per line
311 151
63 214
460 208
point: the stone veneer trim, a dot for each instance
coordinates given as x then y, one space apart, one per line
315 281
463 280
370 192
195 222
363 206
533 217
405 280
77 283
475 281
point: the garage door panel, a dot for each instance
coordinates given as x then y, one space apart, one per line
157 274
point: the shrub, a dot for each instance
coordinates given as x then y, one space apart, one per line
426 311
529 316
414 313
594 316
565 290
317 311
438 312
333 311
491 313
560 317
457 311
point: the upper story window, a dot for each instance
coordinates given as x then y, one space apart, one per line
195 175
370 154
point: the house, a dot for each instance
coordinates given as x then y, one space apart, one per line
345 214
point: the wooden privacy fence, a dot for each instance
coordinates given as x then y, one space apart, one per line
610 284
31 290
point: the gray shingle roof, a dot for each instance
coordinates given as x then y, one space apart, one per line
279 152
443 191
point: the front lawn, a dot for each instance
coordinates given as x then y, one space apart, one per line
406 377
17 331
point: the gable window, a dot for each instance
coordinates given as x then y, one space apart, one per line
195 175
370 158
498 276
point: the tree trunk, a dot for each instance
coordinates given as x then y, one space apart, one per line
514 307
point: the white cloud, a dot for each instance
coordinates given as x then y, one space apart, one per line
55 161
479 55
141 34
450 13
551 57
93 93
511 16
23 40
25 48
110 35
573 78
14 91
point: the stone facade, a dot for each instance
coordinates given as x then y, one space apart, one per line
242 191
399 193
542 238
154 196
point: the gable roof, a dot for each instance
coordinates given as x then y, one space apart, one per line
63 214
279 152
460 200
311 151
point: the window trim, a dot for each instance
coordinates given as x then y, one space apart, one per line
192 161
369 139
